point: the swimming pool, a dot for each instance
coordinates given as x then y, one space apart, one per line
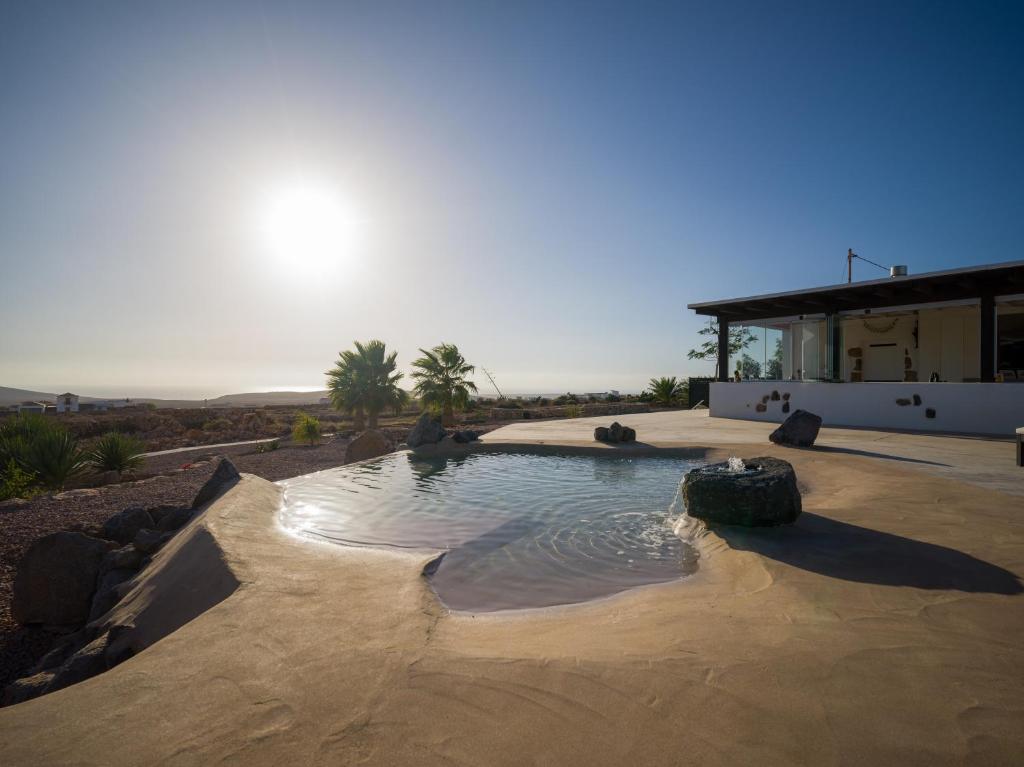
520 529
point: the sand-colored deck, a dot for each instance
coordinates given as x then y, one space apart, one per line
884 628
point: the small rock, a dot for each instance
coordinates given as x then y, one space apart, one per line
601 433
615 432
369 444
628 434
902 401
799 430
107 593
125 558
225 476
56 579
125 525
174 520
465 436
149 541
427 431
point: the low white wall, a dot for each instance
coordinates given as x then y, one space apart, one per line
967 408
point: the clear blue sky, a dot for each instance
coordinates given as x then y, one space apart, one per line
546 185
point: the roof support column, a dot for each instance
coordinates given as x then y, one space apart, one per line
834 345
988 338
723 349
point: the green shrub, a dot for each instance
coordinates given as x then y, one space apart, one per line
573 411
306 429
15 482
116 452
218 424
266 447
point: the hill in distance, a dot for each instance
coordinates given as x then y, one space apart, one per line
10 396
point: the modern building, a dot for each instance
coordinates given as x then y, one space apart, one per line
942 351
67 403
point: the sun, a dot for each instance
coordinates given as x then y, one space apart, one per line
309 223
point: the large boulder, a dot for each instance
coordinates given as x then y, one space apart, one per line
465 436
125 525
763 495
427 431
369 444
174 520
225 476
56 579
799 430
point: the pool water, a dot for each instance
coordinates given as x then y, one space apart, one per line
520 530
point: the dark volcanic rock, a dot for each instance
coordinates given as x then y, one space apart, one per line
628 434
465 436
765 496
601 433
173 520
799 430
149 541
427 431
224 478
615 432
123 526
125 558
56 579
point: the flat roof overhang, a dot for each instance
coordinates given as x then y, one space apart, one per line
933 287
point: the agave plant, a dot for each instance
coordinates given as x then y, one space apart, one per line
442 382
666 391
116 452
363 383
54 457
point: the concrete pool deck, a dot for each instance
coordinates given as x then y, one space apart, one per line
883 628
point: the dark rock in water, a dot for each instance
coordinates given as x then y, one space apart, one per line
174 520
761 407
369 444
107 592
785 395
785 407
601 433
799 430
465 436
917 400
766 495
56 579
775 395
123 526
149 541
224 478
902 401
929 412
427 431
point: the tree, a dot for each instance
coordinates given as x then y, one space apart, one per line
774 369
306 429
740 338
749 367
363 383
666 391
441 380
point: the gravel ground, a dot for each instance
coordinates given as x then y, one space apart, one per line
171 479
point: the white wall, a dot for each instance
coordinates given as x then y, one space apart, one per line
967 408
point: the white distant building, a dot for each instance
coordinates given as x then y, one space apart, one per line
67 403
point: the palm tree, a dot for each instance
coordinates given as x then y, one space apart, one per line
441 380
363 382
666 391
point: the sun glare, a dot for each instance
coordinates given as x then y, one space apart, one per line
309 224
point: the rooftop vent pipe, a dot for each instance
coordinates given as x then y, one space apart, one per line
900 270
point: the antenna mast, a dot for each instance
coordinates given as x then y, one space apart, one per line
491 379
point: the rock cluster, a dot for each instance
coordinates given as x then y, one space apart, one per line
615 433
799 430
764 495
69 580
427 431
